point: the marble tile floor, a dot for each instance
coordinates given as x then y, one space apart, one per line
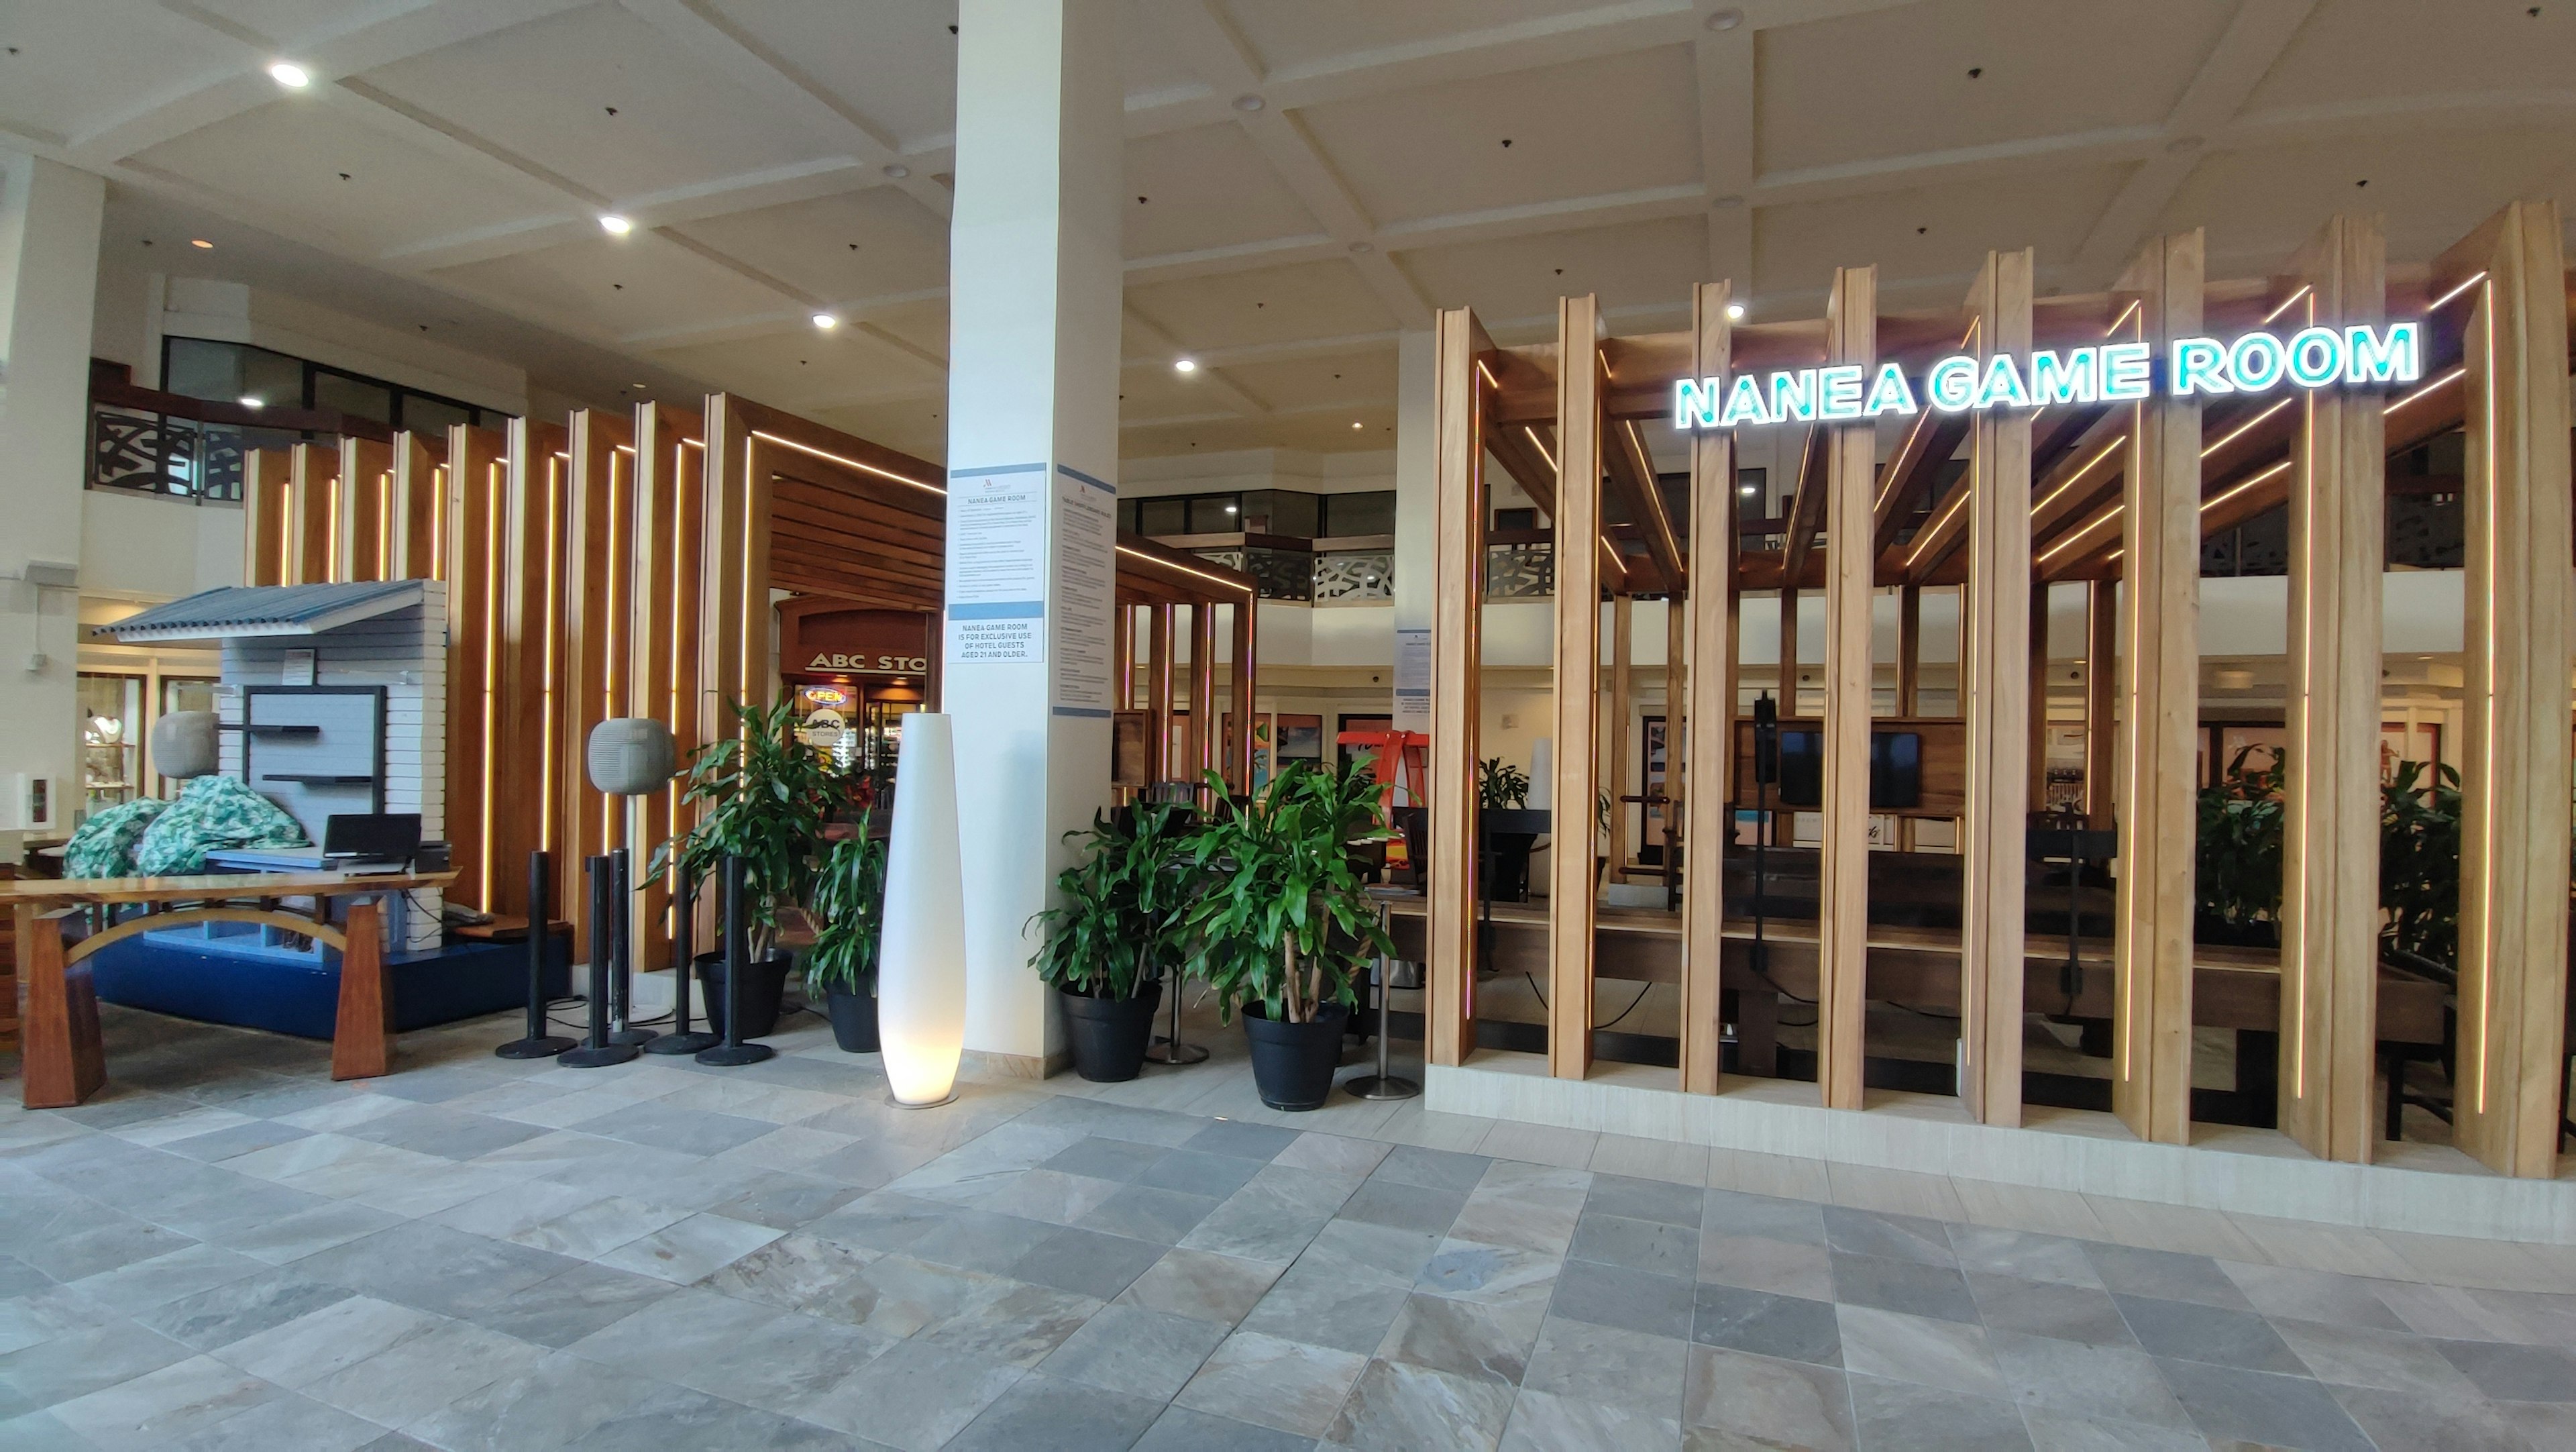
227 1250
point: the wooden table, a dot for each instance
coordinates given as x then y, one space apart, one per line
65 1060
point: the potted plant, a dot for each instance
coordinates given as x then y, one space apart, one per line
2419 868
2237 875
1502 787
1118 913
765 798
847 904
1283 922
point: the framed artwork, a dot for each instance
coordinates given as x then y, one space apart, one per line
1301 738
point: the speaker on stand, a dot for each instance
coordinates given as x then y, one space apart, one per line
627 756
538 1044
621 969
733 1052
600 1051
684 940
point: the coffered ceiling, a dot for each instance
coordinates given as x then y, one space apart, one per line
1309 177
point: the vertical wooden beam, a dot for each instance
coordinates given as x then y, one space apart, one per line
1206 720
1158 691
1623 681
313 540
1457 660
419 528
2514 788
1909 673
2038 723
1709 756
477 489
1571 893
1122 645
365 511
1676 718
597 568
2159 725
1842 904
2102 702
652 635
527 757
1788 650
1240 677
724 552
1995 689
2330 841
267 490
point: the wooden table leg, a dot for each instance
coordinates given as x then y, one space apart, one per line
64 1060
362 1041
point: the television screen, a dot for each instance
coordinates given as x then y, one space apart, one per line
1895 769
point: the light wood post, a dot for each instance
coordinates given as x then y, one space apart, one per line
1207 751
267 520
2514 788
1842 906
476 548
2159 726
313 539
597 567
2330 841
2038 723
2101 702
1457 628
655 641
1122 645
364 514
527 763
1623 682
1247 615
1707 748
362 1035
1571 891
1909 675
419 530
1158 691
1995 686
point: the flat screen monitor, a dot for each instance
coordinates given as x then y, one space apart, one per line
371 836
1895 769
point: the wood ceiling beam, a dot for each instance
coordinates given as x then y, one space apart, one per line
1632 475
1806 505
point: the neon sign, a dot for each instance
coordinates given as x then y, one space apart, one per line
2311 358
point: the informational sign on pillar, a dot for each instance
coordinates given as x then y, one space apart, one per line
1086 584
1413 680
997 553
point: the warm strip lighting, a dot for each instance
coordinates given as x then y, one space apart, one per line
498 483
2116 323
2078 476
385 527
2427 391
1925 542
548 735
1663 524
2486 767
2287 303
2245 428
438 522
2216 500
1229 586
332 564
2099 520
1542 448
2444 300
847 463
1491 381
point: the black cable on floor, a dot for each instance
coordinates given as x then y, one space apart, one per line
1614 1023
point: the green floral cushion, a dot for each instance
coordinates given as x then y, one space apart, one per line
104 845
212 813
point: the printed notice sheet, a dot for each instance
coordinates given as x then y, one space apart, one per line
1086 584
997 539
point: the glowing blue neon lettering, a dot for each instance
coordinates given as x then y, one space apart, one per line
2001 387
1890 393
2127 372
2315 357
1696 402
1839 392
2256 361
2072 379
2396 356
1793 396
1744 404
1952 383
2200 366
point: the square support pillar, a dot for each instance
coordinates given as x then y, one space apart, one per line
1851 560
1571 890
1706 759
1457 662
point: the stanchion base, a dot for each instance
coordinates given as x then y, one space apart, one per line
545 1048
687 1043
1164 1051
598 1058
734 1056
1383 1086
932 1104
633 1037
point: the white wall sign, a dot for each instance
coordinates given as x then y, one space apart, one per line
1086 589
997 554
2106 373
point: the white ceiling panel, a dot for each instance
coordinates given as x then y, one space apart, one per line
1272 305
1355 382
286 161
297 23
637 285
1310 32
2355 50
1640 264
1888 82
545 90
842 248
1615 124
69 69
792 370
916 426
1205 187
2261 205
893 62
922 325
1798 247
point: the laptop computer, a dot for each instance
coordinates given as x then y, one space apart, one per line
370 841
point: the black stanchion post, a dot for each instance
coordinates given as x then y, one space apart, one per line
684 953
621 970
1383 1085
599 1052
538 1044
733 1052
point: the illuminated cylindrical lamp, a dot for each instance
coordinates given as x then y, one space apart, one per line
921 962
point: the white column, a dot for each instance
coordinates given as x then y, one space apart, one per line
1035 278
49 222
1417 522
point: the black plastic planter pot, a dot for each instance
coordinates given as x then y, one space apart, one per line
854 1020
1109 1034
1293 1063
764 985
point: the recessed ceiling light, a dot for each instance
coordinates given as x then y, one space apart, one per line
1727 203
1362 248
615 225
248 401
1248 103
826 321
290 75
898 171
1735 312
1355 423
639 385
1185 365
200 242
1743 488
1726 19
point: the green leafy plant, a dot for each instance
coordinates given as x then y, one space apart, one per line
1121 911
1283 916
2419 861
2237 879
847 903
1500 785
766 798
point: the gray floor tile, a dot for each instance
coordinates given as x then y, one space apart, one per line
1433 1169
1608 1365
1202 1284
2049 1308
916 1396
979 1240
1366 1252
668 1127
881 1220
1653 1246
1129 1349
784 1200
2166 1276
1244 1141
433 1268
1184 1429
1903 1285
2365 1356
452 1134
1399 1407
2054 1431
2113 1383
2024 1255
2212 1334
1924 1349
1315 1304
216 1318
1197 1173
1085 1262
562 1309
1544 1422
1764 1401
1632 1300
1106 1159
1043 1414
82 1362
1013 1322
2257 1406
2416 1420
1895 1237
176 1401
1734 1212
283 1423
1789 1327
1288 1385
1141 1212
2514 1373
787 1273
1402 1206
1900 1414
1656 1200
1490 1342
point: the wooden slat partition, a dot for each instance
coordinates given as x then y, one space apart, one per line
267 522
725 572
663 637
598 563
1623 682
363 548
1571 893
477 503
2159 727
2514 789
1850 473
527 747
1995 698
2101 702
1158 691
419 532
1246 624
1458 593
313 509
1207 739
1707 757
2330 840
